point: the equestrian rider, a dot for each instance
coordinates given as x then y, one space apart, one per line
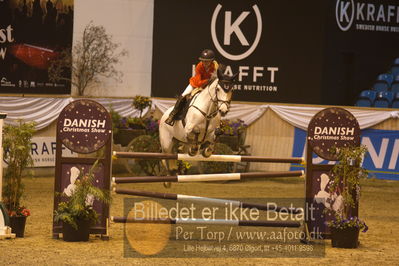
204 71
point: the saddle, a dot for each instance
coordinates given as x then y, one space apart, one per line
185 105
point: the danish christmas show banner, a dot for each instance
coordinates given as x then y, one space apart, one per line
32 35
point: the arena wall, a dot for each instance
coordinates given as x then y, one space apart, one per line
268 136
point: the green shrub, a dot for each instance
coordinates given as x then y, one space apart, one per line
76 206
140 103
147 143
218 167
17 155
116 118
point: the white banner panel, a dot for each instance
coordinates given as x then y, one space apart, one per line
43 151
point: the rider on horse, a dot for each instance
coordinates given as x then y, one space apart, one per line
204 71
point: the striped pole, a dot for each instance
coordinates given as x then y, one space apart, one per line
205 177
214 158
203 221
233 203
2 117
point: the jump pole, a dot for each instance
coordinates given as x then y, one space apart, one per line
5 229
2 117
205 177
180 197
213 158
208 222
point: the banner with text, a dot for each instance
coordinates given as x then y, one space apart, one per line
307 52
32 35
43 151
264 41
381 159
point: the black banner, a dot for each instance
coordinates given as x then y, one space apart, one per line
285 51
266 41
32 34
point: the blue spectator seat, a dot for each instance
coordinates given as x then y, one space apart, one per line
380 85
387 77
383 82
395 67
366 98
395 84
395 101
383 99
395 70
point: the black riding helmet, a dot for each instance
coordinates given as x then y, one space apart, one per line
207 55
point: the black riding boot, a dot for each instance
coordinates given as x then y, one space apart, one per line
178 106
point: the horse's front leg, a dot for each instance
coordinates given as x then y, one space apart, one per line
210 139
192 133
209 145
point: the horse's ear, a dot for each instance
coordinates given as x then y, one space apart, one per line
220 74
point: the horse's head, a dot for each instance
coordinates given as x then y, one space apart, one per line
224 91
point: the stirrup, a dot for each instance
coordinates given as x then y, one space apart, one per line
170 121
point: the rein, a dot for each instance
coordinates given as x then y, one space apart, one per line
215 103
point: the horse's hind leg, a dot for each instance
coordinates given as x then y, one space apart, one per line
167 143
171 165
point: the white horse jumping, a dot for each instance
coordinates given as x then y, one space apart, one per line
197 130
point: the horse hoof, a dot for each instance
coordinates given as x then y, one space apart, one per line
207 152
180 149
167 184
192 151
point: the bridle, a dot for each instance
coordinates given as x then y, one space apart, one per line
216 103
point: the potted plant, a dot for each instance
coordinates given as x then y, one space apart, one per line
344 189
140 103
232 133
151 126
128 128
116 120
17 155
135 123
76 210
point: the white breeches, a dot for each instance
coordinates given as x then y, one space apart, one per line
187 91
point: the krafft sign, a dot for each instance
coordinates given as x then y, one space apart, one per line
307 52
43 151
369 15
85 126
238 42
234 27
258 39
333 127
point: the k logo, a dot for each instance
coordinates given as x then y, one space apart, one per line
344 14
233 27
